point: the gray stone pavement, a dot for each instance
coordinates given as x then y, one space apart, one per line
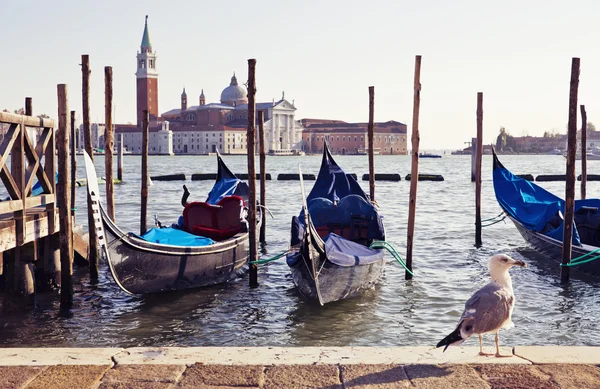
298 367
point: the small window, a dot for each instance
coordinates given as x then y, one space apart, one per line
355 139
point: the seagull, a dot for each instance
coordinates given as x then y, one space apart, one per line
490 308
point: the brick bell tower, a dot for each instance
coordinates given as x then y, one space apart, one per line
147 79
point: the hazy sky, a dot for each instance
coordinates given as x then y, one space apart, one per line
324 54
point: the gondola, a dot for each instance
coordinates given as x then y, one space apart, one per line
538 216
208 245
329 256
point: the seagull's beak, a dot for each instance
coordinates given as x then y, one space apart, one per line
519 263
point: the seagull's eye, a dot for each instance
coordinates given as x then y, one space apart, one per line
505 259
469 327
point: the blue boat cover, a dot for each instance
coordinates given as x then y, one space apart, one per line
338 198
227 184
175 237
343 252
533 206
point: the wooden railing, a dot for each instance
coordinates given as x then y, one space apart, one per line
26 168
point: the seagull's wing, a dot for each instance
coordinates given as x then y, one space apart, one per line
489 308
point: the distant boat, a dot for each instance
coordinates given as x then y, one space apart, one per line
590 156
286 152
429 155
555 152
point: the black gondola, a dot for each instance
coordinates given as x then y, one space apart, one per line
330 258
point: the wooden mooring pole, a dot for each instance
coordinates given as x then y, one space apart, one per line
25 255
414 172
89 148
63 198
583 151
73 148
109 142
120 159
479 153
370 131
144 204
253 254
570 176
263 175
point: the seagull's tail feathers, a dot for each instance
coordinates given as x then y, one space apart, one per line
454 338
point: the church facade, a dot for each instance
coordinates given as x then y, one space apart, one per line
221 126
206 127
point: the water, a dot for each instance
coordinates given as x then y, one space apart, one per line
397 312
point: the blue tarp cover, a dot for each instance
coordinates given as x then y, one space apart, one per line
343 252
227 184
175 237
532 205
334 185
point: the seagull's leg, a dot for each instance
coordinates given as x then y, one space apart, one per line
498 348
481 347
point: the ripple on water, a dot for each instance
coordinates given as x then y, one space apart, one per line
448 269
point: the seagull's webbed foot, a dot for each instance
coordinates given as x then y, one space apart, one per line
481 353
498 355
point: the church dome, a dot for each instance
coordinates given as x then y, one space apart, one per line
234 94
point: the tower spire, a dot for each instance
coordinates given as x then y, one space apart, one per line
146 37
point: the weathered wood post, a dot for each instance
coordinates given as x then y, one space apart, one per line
63 195
583 150
120 159
89 148
26 254
570 176
473 158
28 106
109 142
263 174
414 171
144 205
73 148
479 153
370 131
253 254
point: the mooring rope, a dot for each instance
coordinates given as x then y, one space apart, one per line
579 260
495 217
492 223
261 261
380 244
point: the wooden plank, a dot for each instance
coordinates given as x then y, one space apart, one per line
17 171
39 200
13 118
9 140
36 227
11 186
10 206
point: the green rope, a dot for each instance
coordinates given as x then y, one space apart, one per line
261 261
380 244
578 261
492 218
585 255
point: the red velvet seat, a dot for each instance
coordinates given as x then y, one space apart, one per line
217 222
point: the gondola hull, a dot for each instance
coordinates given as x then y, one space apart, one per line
335 282
553 248
143 267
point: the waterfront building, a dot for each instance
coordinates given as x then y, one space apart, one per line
97 131
351 138
204 128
